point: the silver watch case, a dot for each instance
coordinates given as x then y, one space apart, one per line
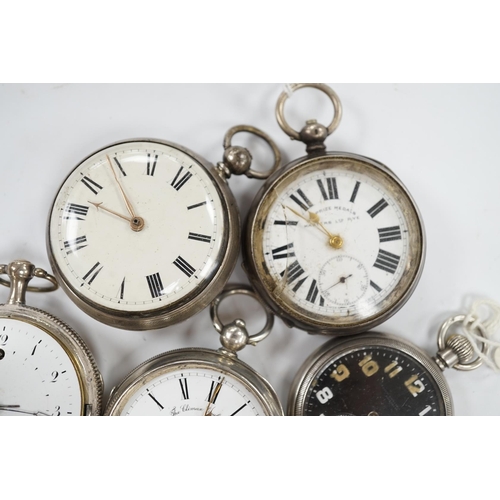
194 358
254 224
195 301
338 347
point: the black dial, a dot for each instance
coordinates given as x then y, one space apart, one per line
374 380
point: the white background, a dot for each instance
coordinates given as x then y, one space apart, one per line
226 41
440 139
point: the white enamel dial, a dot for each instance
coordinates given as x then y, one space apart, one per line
137 226
336 242
37 376
193 391
372 246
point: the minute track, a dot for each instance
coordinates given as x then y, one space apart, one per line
140 180
355 228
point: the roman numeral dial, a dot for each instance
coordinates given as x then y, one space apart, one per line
180 179
76 211
75 245
91 185
392 233
387 261
141 227
283 252
155 285
330 191
195 389
336 242
301 200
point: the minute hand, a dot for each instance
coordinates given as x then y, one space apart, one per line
127 202
334 241
313 219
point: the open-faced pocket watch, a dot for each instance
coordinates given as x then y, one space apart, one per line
145 233
376 374
198 381
334 242
45 367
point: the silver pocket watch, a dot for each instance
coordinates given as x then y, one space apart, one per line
376 374
199 381
145 233
334 242
45 367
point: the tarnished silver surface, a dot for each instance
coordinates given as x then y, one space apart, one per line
253 260
260 279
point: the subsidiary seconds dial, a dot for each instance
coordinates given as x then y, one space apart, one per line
336 242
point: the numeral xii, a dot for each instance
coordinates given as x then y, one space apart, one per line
330 193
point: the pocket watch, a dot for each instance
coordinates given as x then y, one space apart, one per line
198 381
45 367
334 242
378 374
145 233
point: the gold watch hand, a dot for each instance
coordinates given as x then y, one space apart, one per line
315 220
334 241
213 397
99 206
311 219
127 202
136 223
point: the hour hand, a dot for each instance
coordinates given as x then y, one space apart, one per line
136 223
335 241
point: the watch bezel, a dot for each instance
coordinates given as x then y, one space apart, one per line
254 264
193 358
324 355
191 303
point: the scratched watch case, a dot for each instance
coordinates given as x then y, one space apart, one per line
270 289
